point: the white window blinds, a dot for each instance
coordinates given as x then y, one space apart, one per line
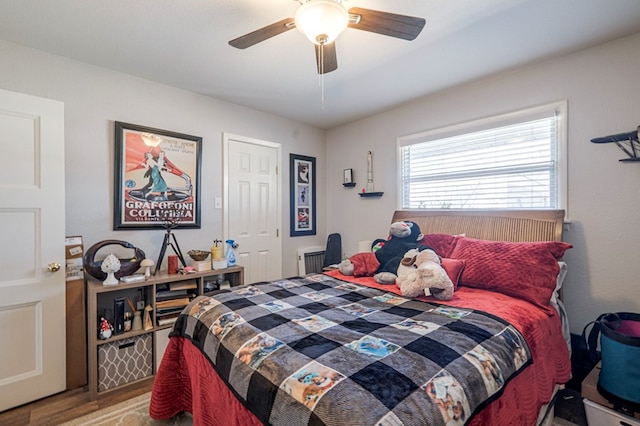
515 165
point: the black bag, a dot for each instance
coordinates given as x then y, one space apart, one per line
619 380
333 253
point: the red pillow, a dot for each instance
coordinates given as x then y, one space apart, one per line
453 268
442 244
524 270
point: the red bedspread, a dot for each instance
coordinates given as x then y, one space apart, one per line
185 380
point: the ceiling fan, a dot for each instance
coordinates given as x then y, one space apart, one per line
323 20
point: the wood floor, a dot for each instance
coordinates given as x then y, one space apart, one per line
68 405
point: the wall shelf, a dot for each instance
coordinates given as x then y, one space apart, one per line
628 142
349 185
370 194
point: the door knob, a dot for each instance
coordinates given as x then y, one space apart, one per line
53 267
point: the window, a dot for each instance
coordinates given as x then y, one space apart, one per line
513 161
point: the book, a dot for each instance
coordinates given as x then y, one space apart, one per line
170 303
167 318
132 278
171 295
182 285
165 311
166 321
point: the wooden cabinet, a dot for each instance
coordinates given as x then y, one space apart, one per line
134 355
76 338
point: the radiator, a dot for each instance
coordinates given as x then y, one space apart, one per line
310 260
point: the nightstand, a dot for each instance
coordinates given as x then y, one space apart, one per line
600 411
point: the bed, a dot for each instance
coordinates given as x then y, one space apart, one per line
330 349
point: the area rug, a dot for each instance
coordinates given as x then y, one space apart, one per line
134 412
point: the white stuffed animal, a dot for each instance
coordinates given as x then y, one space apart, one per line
422 273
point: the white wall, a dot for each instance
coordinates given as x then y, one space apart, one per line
602 86
96 97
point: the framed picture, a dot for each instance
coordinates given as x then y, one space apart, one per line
302 172
157 178
348 176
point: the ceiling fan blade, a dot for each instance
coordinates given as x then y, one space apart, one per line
326 58
262 34
385 23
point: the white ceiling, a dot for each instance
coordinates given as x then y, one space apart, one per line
183 43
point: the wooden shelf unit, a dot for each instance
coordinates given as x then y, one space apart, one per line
97 294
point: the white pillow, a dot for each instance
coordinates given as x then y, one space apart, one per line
556 293
557 303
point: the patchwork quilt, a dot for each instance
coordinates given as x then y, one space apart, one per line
321 351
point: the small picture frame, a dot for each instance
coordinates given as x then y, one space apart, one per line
348 176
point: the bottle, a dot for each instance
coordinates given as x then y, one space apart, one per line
231 256
216 252
216 256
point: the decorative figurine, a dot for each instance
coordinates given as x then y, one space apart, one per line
370 187
106 329
147 264
148 324
110 265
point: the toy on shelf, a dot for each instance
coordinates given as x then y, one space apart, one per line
106 329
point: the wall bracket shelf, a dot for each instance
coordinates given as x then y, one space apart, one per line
349 185
627 142
370 194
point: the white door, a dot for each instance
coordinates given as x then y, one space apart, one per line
32 298
252 207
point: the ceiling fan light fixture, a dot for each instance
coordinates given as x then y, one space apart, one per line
322 20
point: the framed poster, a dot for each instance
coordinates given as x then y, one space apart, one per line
302 172
157 178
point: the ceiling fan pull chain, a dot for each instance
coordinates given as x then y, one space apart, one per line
322 74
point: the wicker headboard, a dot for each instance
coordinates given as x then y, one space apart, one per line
507 225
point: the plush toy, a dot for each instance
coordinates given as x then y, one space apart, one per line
421 272
386 255
403 236
406 267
